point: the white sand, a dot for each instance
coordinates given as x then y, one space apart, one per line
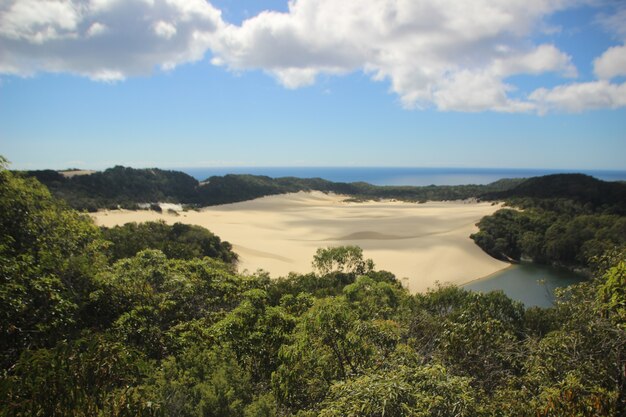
420 243
76 172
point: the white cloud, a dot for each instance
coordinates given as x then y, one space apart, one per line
164 29
453 55
450 54
104 40
473 92
615 20
612 63
96 29
38 21
544 58
579 97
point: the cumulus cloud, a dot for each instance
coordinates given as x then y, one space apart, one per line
453 55
612 63
578 97
604 93
104 40
96 29
164 29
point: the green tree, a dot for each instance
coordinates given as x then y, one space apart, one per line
49 255
201 381
255 332
402 391
612 294
482 341
92 375
157 304
344 259
180 241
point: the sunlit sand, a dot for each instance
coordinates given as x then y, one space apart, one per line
420 243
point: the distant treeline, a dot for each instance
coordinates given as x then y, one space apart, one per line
128 187
557 219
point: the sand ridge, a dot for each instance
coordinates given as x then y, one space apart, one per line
420 243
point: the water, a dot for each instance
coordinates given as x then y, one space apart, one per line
398 176
531 284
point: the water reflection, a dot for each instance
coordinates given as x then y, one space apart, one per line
531 284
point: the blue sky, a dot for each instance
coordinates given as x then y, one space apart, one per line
532 84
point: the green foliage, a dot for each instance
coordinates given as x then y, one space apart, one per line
200 382
330 343
343 259
119 186
565 192
401 391
324 348
180 241
550 235
572 397
472 334
148 299
48 256
483 340
89 376
612 294
255 332
377 300
316 285
262 406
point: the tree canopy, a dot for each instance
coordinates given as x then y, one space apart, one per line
559 219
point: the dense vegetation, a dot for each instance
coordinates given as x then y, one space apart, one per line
557 219
119 186
83 334
128 187
179 241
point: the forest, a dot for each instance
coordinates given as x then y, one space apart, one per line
128 187
563 220
154 320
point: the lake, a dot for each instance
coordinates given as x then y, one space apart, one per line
531 284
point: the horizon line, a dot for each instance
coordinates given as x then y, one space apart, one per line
254 167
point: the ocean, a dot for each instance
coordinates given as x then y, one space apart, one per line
398 176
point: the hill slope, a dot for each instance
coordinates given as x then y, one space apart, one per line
579 188
128 187
567 219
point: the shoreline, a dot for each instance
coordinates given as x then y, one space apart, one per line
493 274
420 243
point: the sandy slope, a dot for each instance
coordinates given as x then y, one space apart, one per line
420 243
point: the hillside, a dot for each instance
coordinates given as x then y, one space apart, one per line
582 189
128 187
118 186
566 220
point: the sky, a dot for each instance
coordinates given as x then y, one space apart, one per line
412 83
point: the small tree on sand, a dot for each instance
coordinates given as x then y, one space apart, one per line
345 259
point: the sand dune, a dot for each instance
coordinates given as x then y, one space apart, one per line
419 243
